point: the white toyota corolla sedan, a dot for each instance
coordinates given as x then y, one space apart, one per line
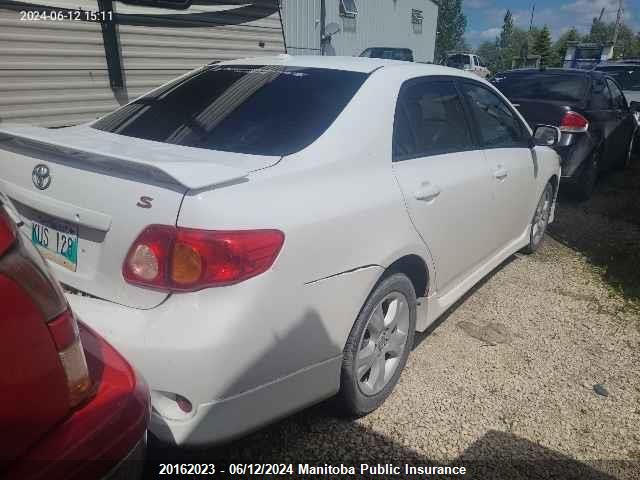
262 234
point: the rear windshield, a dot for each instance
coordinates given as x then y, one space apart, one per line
627 77
458 61
262 110
566 88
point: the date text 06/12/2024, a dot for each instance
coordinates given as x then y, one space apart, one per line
306 469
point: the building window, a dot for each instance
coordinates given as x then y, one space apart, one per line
416 20
348 8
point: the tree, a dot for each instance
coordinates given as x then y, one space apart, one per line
542 46
627 44
505 42
489 51
507 30
560 47
601 32
451 26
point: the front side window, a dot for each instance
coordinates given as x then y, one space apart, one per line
497 124
429 120
261 110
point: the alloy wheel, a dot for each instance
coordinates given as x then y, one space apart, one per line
382 344
541 217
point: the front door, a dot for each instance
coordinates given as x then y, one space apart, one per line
506 143
445 179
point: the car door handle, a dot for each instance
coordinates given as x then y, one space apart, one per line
427 192
501 173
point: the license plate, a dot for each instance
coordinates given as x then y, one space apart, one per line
57 241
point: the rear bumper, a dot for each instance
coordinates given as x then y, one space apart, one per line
573 155
242 355
101 435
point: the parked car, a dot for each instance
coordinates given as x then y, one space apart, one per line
627 74
255 234
468 62
390 53
597 125
72 407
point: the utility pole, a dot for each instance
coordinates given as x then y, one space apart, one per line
618 23
533 10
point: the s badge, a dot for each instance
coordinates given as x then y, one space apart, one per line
145 202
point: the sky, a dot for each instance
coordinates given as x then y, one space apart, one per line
484 17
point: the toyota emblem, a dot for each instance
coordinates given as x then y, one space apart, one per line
41 177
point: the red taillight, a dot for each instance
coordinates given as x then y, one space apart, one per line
7 231
186 260
573 122
64 330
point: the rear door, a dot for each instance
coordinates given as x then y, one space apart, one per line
624 122
445 179
602 117
506 144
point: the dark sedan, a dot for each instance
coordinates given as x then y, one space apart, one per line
598 127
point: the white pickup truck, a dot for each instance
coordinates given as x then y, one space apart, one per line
469 62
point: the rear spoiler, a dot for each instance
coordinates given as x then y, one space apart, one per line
168 169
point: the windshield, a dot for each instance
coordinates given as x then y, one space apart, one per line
389 53
262 110
627 76
458 61
541 86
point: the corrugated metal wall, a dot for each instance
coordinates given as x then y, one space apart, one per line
301 20
54 73
379 23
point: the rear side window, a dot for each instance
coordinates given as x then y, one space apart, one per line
498 125
262 110
429 120
600 95
617 96
627 76
543 86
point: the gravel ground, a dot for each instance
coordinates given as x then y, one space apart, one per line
503 384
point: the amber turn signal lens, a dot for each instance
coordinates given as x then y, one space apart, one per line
186 264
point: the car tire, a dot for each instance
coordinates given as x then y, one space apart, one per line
586 181
540 220
378 346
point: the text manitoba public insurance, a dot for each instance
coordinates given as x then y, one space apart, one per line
379 469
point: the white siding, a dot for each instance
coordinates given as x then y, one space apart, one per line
54 73
302 26
379 23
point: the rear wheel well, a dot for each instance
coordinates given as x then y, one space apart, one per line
413 267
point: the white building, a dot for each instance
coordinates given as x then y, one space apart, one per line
64 62
363 24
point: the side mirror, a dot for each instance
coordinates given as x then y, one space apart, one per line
546 135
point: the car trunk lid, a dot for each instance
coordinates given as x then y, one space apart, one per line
84 195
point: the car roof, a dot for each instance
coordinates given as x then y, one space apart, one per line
619 64
556 71
352 64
